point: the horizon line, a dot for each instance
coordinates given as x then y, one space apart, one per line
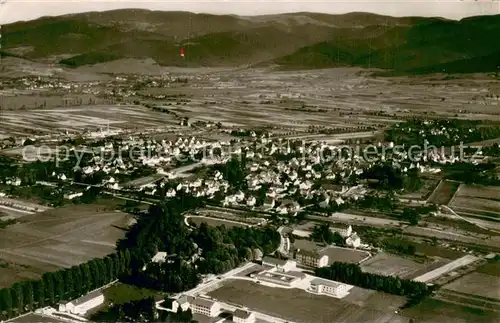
250 15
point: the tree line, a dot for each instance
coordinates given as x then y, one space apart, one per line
353 275
62 285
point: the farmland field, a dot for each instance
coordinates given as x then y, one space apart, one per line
477 284
443 193
433 310
484 200
58 238
490 268
299 306
79 119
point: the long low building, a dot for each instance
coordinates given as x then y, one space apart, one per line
82 305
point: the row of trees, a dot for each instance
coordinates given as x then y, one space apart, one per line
62 285
352 274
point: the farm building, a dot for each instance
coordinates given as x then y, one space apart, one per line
82 305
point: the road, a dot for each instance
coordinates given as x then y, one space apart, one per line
464 261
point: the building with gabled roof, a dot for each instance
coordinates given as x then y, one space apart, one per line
242 316
311 258
82 305
205 307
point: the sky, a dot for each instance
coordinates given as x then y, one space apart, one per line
15 10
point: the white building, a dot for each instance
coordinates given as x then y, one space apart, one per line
353 241
205 307
160 257
82 305
241 316
279 264
311 258
328 287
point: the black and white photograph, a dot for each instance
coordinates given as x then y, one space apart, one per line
250 161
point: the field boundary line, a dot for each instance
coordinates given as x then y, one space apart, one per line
450 203
431 196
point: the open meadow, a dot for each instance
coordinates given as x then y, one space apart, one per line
58 238
443 193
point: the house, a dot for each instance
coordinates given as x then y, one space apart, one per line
82 305
328 287
311 258
288 207
251 201
241 316
205 307
279 264
159 257
353 241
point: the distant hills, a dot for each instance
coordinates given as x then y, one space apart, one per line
297 40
